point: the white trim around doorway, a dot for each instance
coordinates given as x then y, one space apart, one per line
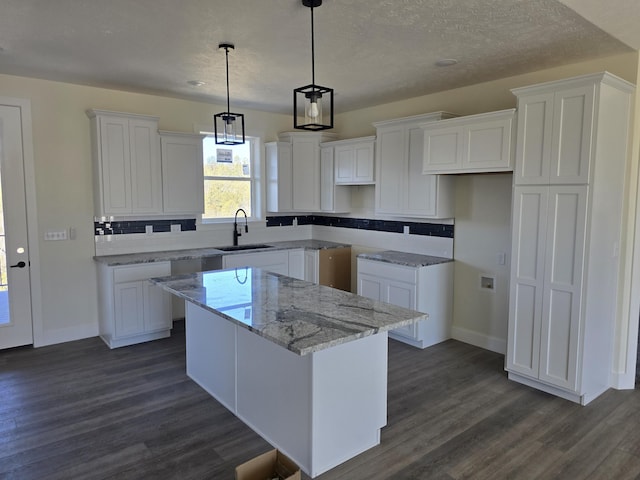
32 217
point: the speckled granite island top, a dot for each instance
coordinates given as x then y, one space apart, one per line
404 258
300 316
195 253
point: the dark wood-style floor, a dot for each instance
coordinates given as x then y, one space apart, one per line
81 411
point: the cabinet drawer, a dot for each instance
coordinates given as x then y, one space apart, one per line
132 273
400 273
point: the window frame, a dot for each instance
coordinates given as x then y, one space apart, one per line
254 179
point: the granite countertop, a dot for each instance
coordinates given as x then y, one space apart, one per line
300 316
194 253
404 258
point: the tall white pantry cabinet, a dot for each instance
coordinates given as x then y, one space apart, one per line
571 153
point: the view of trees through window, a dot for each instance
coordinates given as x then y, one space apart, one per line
227 179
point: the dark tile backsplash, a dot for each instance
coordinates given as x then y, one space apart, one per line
415 228
139 226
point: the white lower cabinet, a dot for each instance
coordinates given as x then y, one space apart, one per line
274 261
426 289
311 270
296 263
132 310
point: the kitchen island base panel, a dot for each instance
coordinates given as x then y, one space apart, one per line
319 409
211 354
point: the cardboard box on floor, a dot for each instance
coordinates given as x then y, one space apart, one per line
268 466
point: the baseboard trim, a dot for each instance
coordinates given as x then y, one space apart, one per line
623 381
498 345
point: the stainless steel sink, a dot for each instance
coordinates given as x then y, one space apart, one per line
243 247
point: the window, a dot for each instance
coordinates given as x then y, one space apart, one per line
228 179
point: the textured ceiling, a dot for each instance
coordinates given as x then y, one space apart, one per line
370 52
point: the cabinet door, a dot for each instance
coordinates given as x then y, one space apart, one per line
487 146
311 269
533 146
327 179
129 308
371 286
296 263
279 177
306 175
421 194
345 164
442 148
364 155
157 308
182 174
391 169
564 265
403 295
571 141
146 176
115 164
529 234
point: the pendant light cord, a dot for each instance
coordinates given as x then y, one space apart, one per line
313 53
226 49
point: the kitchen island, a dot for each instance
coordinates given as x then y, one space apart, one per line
303 365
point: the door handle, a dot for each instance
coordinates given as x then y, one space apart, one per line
20 264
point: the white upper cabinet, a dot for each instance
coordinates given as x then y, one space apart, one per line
279 177
555 134
127 164
471 144
333 198
182 173
401 188
303 181
354 159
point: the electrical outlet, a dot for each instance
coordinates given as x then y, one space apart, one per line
405 230
176 227
50 235
148 229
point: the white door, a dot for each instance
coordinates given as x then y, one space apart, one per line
16 326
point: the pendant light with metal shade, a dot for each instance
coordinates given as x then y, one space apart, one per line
312 104
229 127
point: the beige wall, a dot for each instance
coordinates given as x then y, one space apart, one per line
483 202
64 186
63 175
629 295
482 97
